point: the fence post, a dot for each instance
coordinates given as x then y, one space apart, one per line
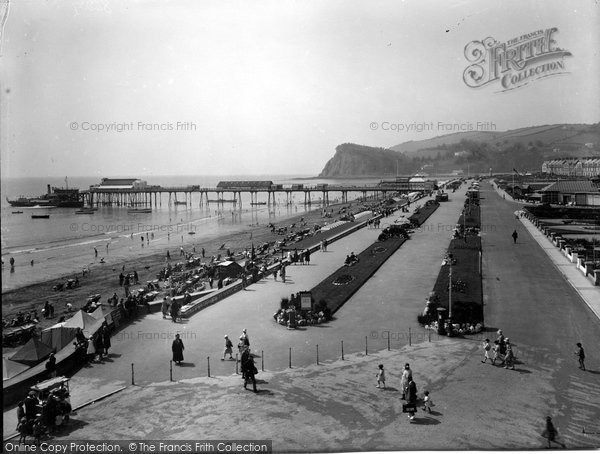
208 361
290 363
236 364
409 337
366 346
262 360
342 350
132 375
317 354
388 342
171 370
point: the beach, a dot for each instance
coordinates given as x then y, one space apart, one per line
147 260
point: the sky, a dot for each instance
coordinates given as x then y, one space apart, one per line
141 88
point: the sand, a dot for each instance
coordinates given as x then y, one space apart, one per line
104 279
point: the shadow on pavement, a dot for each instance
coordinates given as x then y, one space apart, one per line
184 364
427 421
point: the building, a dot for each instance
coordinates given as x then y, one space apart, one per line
410 184
244 185
121 183
582 167
579 192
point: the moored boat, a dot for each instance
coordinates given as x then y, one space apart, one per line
139 210
40 216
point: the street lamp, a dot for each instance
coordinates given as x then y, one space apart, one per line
450 291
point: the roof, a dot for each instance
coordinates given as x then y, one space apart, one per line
32 352
85 321
244 184
118 181
571 187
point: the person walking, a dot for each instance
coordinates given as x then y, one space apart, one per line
105 333
174 311
509 358
228 348
550 433
515 235
249 370
283 273
245 338
20 412
307 256
164 307
51 366
177 348
325 245
427 403
381 377
486 349
405 380
411 397
580 355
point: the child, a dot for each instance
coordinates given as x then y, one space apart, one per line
427 402
509 358
581 355
496 351
381 377
228 348
24 429
487 347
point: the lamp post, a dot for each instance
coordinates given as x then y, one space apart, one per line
450 292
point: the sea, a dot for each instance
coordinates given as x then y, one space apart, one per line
45 249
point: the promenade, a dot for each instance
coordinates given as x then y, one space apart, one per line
335 405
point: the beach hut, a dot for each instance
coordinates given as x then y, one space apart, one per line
229 269
11 368
32 352
85 321
58 336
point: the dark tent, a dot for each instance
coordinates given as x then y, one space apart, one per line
229 269
32 352
58 337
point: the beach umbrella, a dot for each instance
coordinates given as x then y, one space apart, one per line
32 352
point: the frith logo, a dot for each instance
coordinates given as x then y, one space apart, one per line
516 62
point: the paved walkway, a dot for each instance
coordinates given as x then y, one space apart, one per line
586 289
528 297
335 405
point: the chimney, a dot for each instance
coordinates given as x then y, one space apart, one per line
49 192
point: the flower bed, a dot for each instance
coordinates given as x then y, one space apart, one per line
423 213
353 277
467 291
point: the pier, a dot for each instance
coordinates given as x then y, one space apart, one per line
135 195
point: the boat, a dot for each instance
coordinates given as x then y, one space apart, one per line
139 210
54 197
222 200
85 211
191 233
40 216
180 202
17 212
258 203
